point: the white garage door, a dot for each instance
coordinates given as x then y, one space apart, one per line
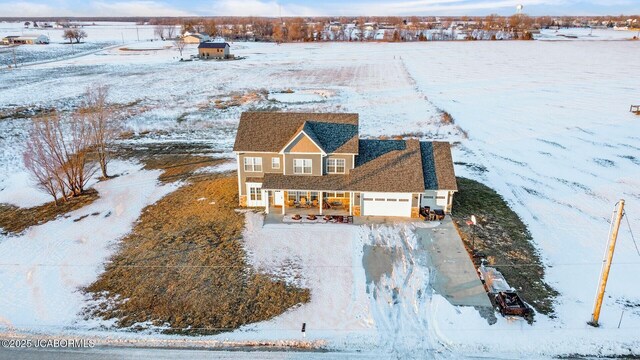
386 204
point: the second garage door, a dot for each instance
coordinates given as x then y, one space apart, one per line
386 204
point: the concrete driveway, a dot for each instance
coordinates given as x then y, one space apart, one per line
454 274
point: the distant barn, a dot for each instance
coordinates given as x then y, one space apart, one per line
214 50
195 38
25 39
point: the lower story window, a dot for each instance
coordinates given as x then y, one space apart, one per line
255 194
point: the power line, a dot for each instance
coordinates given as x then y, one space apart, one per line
301 267
631 232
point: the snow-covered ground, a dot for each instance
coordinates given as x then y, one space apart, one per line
43 268
585 34
549 122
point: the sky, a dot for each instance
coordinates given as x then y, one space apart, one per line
273 8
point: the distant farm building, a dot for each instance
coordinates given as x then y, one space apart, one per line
195 38
214 50
25 39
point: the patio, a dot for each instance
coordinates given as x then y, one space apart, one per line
317 203
277 218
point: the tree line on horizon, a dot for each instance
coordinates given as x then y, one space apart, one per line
310 28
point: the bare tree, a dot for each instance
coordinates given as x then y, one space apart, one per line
101 122
68 34
171 32
158 31
39 163
179 44
79 34
56 156
74 34
210 27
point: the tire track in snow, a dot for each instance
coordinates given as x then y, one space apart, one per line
400 301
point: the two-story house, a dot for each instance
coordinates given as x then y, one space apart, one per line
316 163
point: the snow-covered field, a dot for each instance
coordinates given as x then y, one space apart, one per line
43 268
548 120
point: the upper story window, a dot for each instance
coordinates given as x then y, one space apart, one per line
335 166
253 164
302 166
275 163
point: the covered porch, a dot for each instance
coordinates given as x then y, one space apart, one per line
309 202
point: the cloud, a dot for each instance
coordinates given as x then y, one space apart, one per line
264 8
439 7
27 9
94 8
134 8
275 8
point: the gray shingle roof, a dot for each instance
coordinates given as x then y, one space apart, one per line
212 45
307 127
383 166
271 131
428 166
443 165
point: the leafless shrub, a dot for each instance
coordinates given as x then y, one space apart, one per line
158 31
102 123
446 118
179 44
56 155
171 31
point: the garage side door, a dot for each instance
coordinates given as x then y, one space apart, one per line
386 204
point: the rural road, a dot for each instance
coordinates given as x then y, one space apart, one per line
108 353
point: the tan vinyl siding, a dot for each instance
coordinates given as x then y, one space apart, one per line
302 145
348 162
209 53
266 167
316 164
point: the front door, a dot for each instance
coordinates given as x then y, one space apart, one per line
255 195
278 198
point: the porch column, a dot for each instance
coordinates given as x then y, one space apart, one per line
284 200
266 201
350 203
320 202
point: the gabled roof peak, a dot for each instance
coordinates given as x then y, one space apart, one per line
270 131
307 129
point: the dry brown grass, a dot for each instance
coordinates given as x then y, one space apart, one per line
178 160
184 265
504 239
14 219
446 118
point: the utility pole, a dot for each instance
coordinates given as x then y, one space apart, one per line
15 61
606 266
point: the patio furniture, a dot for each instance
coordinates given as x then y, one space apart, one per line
336 205
304 203
314 203
291 203
439 214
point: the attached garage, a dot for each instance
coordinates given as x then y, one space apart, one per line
435 199
386 204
